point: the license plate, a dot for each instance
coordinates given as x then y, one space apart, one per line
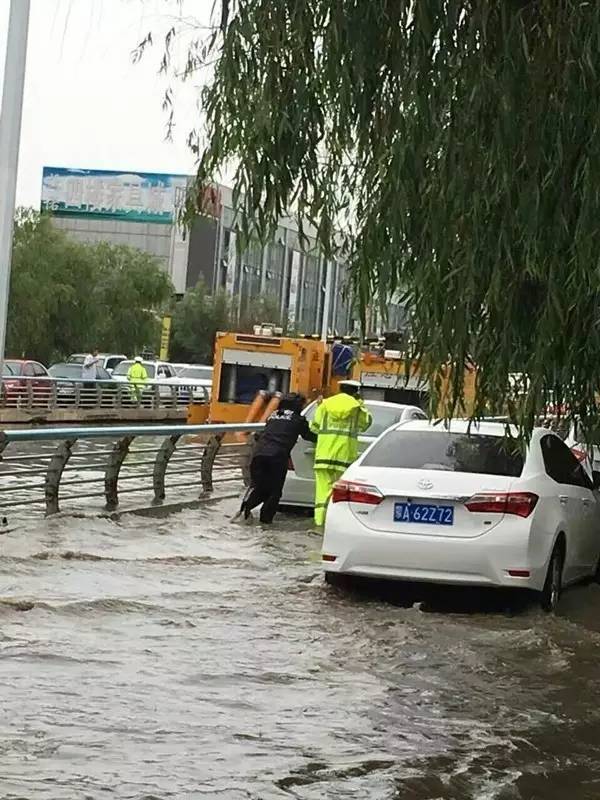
424 513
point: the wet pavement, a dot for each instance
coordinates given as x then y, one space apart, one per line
189 657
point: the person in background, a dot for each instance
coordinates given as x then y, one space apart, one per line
89 373
337 422
268 467
137 377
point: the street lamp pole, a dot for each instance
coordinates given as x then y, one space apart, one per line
10 135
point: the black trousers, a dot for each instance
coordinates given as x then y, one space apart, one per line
267 478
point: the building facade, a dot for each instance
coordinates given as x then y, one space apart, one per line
140 210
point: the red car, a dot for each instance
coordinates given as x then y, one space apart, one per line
23 381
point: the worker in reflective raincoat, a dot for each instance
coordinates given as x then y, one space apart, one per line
137 378
337 422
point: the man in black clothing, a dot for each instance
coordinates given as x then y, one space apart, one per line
268 467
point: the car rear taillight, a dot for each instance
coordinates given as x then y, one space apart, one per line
356 492
519 503
290 465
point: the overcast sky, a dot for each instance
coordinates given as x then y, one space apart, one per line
86 104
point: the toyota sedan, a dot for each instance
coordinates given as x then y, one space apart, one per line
465 505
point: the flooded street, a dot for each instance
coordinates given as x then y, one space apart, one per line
189 657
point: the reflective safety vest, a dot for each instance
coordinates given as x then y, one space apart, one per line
137 374
338 422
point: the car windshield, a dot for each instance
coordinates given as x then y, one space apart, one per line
11 368
123 368
198 373
383 417
65 371
450 452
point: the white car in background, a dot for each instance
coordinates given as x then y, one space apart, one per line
585 446
178 367
464 506
195 383
108 361
160 372
299 489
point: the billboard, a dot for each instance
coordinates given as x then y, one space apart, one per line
125 196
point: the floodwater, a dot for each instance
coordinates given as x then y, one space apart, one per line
191 657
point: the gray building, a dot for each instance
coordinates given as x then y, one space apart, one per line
140 210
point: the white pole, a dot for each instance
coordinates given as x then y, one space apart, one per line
327 301
10 135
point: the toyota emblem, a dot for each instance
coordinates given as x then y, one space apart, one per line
425 483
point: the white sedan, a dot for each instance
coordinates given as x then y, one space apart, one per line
465 506
195 383
299 489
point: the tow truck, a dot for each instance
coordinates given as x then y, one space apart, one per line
251 371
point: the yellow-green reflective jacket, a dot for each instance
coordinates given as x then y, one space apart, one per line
338 422
137 374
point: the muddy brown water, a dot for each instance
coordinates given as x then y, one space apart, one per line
189 657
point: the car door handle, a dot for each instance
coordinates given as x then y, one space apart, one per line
587 501
563 499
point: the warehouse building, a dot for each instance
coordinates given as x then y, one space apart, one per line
139 209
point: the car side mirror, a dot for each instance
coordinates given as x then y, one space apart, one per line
596 479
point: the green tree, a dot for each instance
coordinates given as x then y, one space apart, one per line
67 296
133 291
456 141
199 315
196 319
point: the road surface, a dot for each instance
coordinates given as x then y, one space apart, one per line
189 657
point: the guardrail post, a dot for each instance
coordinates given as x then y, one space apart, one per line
251 441
113 468
207 461
54 473
161 463
52 398
119 395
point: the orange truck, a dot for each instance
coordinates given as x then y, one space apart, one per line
251 370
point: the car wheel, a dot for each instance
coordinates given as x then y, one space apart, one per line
335 579
552 590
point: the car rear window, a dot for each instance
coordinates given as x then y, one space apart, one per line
65 371
450 452
12 368
200 373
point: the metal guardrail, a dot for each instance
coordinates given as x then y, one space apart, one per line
42 466
27 393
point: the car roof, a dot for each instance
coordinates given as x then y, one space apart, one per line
104 355
377 403
145 361
457 426
467 426
387 404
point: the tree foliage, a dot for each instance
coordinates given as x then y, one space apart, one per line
67 296
457 143
199 315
